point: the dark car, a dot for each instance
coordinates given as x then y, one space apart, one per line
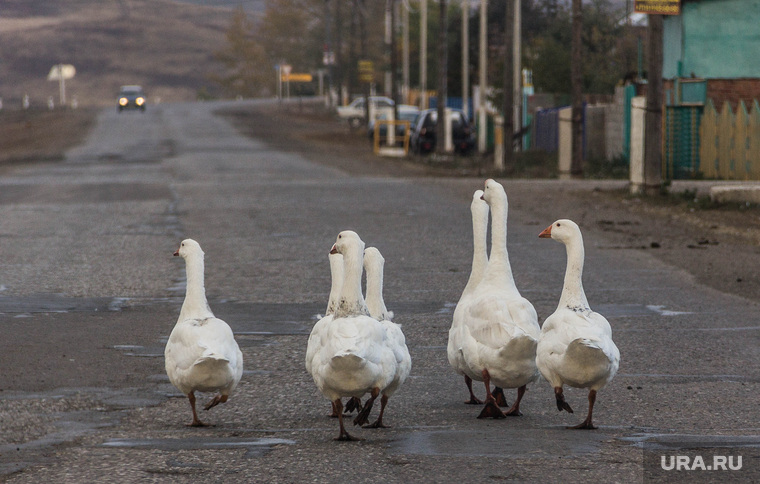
131 97
423 135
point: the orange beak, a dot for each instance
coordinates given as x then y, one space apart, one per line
547 233
176 253
334 250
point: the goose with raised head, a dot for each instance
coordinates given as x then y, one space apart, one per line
353 357
201 354
374 264
499 326
575 347
336 277
479 210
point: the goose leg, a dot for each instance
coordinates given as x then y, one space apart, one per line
216 401
561 403
343 435
334 413
490 410
587 424
501 399
196 421
473 399
353 403
378 424
515 410
363 416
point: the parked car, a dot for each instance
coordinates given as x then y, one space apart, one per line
355 112
131 97
423 135
406 112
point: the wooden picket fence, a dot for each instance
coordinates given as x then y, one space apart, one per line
730 142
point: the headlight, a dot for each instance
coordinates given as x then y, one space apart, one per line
123 101
140 101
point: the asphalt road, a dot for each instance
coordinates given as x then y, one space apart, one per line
89 292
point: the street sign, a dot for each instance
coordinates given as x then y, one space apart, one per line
658 7
295 77
61 72
366 71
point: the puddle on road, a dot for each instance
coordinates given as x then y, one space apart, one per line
547 442
255 447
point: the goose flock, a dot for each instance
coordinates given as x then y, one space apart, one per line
357 350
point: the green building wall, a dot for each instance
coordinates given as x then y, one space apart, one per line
713 39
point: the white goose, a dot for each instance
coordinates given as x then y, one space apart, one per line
499 327
373 265
354 356
479 209
336 276
575 347
201 354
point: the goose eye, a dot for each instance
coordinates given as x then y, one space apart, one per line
558 224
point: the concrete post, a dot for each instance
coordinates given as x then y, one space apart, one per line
638 111
565 157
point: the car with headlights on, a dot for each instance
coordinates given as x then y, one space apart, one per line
131 97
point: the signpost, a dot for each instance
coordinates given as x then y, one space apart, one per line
658 7
61 72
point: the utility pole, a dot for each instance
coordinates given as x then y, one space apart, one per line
423 54
394 61
482 68
405 51
388 35
466 56
653 116
507 152
443 54
576 79
517 71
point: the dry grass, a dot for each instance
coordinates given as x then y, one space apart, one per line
41 135
165 46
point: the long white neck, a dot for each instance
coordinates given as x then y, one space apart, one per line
351 298
479 252
336 273
195 305
499 270
375 303
573 296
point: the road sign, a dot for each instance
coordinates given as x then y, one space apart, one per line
295 77
366 71
658 7
61 72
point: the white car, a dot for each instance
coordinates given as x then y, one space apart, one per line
355 112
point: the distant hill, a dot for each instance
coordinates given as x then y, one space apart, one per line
166 46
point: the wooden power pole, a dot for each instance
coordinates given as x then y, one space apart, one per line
443 55
507 152
653 116
576 80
